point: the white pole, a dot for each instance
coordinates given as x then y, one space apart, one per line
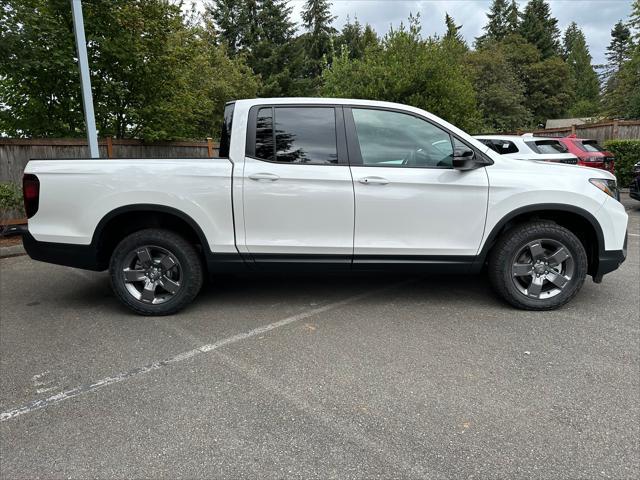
85 80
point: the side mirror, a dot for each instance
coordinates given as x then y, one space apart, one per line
465 159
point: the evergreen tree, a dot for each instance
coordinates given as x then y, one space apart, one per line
496 27
408 69
539 28
317 19
512 18
453 30
619 49
634 21
355 39
226 15
584 78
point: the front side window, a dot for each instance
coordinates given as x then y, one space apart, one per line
394 139
297 135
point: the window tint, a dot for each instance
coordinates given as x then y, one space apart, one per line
589 146
302 135
501 146
547 146
306 135
264 134
225 133
393 139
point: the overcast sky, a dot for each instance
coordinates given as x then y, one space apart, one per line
595 17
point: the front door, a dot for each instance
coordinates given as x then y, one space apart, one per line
411 205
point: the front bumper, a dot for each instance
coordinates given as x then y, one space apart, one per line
610 260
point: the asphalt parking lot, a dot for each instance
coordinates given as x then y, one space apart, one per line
319 377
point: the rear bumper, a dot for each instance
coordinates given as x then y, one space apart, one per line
69 255
610 260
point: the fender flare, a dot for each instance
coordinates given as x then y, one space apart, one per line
539 207
148 207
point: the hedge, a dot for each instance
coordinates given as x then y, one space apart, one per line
627 153
10 201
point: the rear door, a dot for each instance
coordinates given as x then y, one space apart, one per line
297 187
411 206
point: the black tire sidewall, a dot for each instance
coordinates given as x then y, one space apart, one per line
513 241
186 254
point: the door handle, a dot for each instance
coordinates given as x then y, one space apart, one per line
271 177
373 181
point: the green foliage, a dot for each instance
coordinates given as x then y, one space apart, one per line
153 75
548 89
356 39
453 31
317 19
161 73
503 20
539 28
10 198
619 48
627 153
499 91
410 70
584 79
622 88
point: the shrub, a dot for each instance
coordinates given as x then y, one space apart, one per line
10 200
627 153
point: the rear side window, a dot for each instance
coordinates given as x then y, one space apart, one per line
547 146
225 134
589 146
501 146
304 135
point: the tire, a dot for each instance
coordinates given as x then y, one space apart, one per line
155 272
538 265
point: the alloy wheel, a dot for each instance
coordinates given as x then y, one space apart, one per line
152 274
542 268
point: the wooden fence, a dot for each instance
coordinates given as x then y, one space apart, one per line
16 152
617 129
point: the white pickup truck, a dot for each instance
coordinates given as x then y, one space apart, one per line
311 184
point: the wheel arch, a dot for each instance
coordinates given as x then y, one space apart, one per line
122 221
576 219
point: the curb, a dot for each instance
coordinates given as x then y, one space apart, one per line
12 251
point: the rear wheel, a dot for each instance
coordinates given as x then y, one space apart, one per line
155 272
538 266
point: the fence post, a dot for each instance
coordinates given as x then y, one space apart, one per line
210 147
573 129
109 147
616 129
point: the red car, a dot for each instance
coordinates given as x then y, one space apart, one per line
589 153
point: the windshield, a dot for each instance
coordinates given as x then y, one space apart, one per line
589 146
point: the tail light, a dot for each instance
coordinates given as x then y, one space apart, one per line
31 193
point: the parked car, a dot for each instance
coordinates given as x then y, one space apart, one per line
589 153
528 147
634 188
335 184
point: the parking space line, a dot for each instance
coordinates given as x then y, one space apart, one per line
90 387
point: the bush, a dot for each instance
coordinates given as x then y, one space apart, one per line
627 153
10 200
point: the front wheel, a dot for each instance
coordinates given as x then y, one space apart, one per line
155 272
538 266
